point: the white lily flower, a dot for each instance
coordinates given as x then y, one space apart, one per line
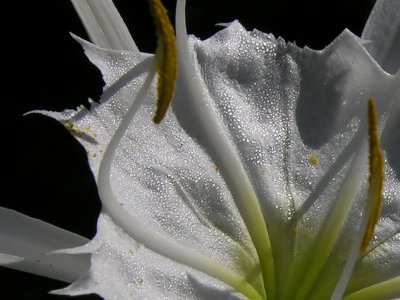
255 184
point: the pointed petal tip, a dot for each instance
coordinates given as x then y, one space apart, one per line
6 259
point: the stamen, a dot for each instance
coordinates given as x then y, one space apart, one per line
373 206
225 156
376 164
332 226
166 59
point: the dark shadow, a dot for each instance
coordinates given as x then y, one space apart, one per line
391 142
319 102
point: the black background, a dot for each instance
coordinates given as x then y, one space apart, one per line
46 171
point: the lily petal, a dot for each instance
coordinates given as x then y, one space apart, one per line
382 33
25 243
9 259
104 24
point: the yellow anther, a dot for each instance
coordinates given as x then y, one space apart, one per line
313 159
376 164
166 58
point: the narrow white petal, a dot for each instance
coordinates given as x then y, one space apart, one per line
104 24
32 240
6 259
382 33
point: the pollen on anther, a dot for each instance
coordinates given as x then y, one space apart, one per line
313 159
166 59
376 176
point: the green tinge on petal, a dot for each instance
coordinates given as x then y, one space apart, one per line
312 286
373 204
319 252
240 284
389 289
